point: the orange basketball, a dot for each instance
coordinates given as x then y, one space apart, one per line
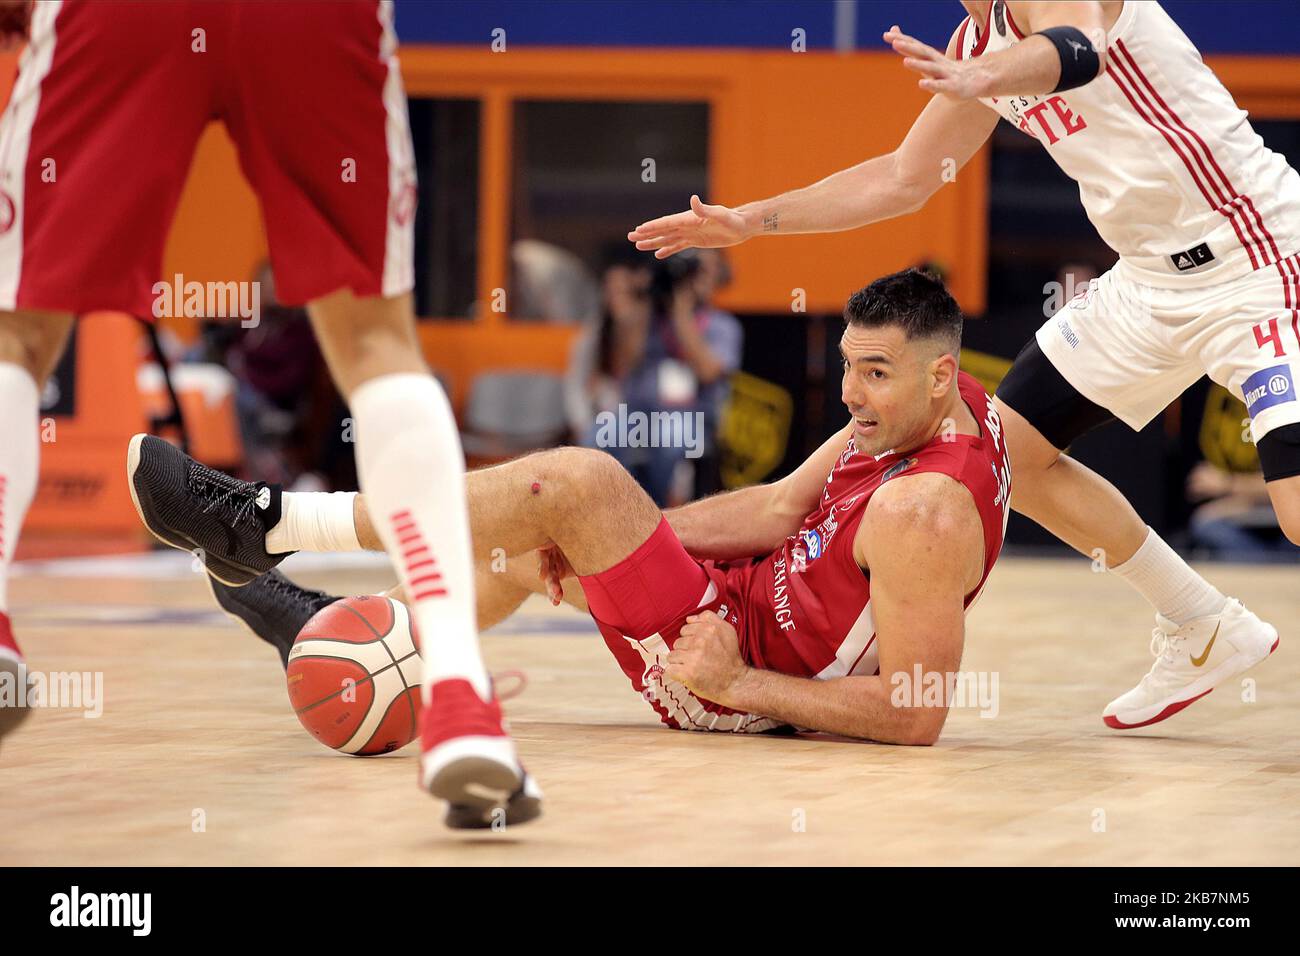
354 676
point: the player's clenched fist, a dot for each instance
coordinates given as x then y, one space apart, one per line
706 657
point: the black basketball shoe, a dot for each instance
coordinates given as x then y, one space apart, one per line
273 607
221 520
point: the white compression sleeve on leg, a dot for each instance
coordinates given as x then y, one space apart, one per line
19 461
412 471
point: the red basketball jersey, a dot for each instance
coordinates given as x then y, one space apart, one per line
805 609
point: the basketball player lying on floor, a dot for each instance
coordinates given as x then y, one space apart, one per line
789 604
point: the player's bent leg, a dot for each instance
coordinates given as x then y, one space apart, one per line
580 499
1067 498
1041 414
30 345
500 590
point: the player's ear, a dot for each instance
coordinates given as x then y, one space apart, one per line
943 374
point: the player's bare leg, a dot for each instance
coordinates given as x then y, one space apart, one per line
1285 495
1201 638
30 346
1067 498
541 499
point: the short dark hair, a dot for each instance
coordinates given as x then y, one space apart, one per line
914 300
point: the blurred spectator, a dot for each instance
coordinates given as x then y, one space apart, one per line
659 346
1236 521
726 338
550 284
277 364
607 350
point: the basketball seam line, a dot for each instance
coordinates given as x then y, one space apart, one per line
369 678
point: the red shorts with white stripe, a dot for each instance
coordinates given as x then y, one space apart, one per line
111 99
640 606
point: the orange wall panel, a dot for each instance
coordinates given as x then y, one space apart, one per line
779 120
217 235
800 117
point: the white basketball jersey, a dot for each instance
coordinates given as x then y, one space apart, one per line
1169 169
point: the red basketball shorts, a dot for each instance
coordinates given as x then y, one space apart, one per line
640 606
111 99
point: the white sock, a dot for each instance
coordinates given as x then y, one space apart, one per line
19 455
1166 581
314 521
412 470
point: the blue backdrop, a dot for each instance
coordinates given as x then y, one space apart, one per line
1215 26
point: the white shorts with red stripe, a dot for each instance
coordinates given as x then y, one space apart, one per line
1133 348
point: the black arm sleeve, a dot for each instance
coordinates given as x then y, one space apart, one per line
1080 62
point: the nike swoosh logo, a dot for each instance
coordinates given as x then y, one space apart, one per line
1205 655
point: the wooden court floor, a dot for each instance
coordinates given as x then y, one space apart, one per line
196 727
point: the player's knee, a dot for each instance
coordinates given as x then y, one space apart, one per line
572 480
577 472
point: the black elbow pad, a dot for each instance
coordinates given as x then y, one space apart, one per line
1080 61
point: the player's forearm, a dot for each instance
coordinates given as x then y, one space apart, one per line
853 197
1028 68
853 706
735 524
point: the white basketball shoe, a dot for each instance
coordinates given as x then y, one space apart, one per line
1191 661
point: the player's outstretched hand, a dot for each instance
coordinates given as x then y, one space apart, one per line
956 79
702 227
